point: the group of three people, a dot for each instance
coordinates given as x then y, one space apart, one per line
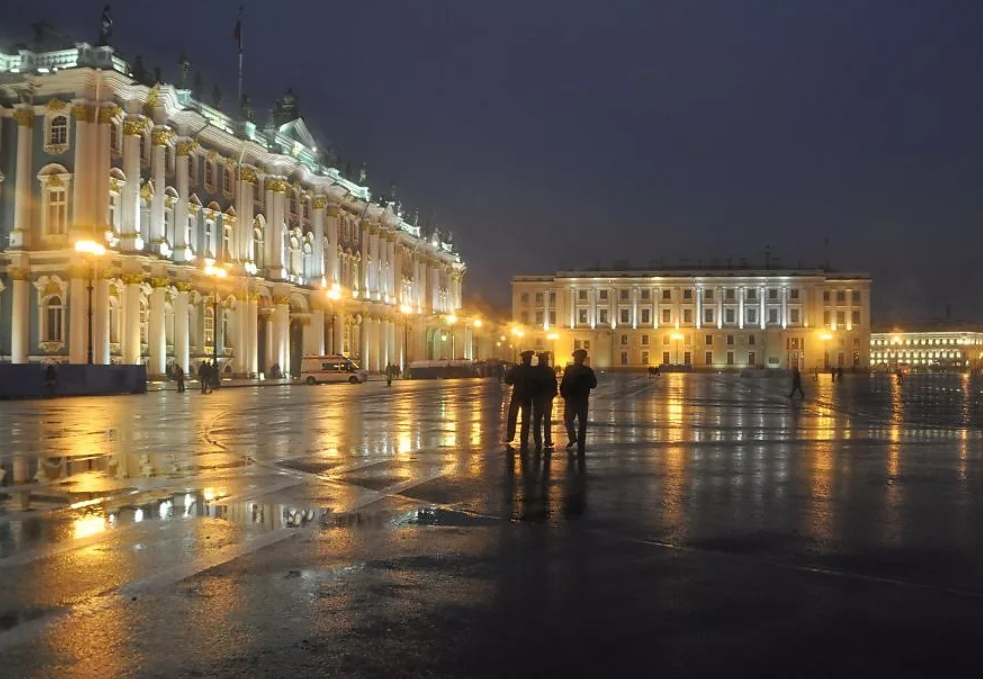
533 391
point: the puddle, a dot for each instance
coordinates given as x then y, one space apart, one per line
434 516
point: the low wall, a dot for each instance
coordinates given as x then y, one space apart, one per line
28 380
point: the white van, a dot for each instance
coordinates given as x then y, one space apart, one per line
338 368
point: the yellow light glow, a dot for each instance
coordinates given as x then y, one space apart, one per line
90 247
334 294
478 323
88 525
405 309
552 337
215 271
825 337
451 319
676 336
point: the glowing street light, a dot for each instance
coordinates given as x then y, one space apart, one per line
677 337
94 250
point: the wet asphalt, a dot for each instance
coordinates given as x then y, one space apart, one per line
713 529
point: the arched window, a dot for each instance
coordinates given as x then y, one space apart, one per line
209 325
259 249
226 334
226 240
58 131
54 320
209 174
227 181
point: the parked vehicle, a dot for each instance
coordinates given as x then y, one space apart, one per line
338 368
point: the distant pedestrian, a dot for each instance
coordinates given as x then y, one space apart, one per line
832 373
578 380
521 379
796 383
839 374
51 380
179 378
544 392
204 376
391 372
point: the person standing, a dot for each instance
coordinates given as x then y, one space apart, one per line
204 376
578 380
179 378
521 378
796 383
542 402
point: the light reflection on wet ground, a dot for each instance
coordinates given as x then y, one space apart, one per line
865 478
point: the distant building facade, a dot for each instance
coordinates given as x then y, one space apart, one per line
718 318
935 346
174 189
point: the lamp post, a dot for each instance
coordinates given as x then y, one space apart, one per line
334 294
405 310
518 336
215 273
92 250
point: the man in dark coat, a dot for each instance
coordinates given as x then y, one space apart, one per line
522 380
578 380
542 402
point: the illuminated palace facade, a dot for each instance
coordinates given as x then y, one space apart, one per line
929 346
718 318
178 193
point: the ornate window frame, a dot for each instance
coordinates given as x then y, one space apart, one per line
51 288
55 183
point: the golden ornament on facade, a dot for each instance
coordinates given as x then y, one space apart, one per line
247 173
281 300
107 113
159 282
24 117
333 211
152 96
319 202
193 208
146 192
184 286
56 104
134 127
83 113
186 147
162 136
19 273
276 184
132 278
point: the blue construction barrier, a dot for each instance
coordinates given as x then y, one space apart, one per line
29 380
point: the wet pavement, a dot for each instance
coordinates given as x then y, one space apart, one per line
713 529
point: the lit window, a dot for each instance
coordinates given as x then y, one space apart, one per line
56 210
58 131
54 320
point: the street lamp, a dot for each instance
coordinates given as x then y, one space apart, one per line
676 337
215 273
825 337
93 250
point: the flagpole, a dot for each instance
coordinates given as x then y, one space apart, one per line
240 78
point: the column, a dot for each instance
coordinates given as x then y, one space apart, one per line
699 307
183 152
83 187
78 323
333 274
160 137
20 315
546 309
383 343
740 307
156 336
339 332
245 238
250 335
100 322
364 273
318 203
269 354
275 188
720 307
130 217
103 163
182 334
314 334
130 325
634 308
23 230
281 330
762 310
468 341
365 355
784 312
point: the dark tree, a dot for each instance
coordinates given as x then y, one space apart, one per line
217 96
198 87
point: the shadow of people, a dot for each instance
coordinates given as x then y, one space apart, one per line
529 493
573 500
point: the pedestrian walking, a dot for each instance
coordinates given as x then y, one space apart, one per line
832 373
521 378
179 378
51 380
578 380
839 374
391 372
542 402
204 376
796 383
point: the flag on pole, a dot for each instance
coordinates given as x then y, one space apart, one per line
237 34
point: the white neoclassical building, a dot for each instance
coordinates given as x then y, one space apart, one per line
176 191
715 318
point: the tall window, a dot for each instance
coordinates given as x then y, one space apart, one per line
226 241
114 138
226 335
209 248
56 210
209 174
58 131
209 324
54 317
227 181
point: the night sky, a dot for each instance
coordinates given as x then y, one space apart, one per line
550 135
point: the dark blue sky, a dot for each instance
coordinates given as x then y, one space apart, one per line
562 134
